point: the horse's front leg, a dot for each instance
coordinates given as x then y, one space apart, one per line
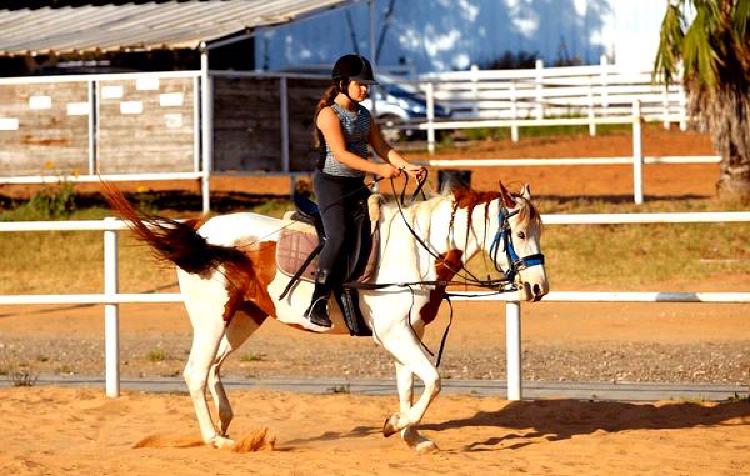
410 435
403 344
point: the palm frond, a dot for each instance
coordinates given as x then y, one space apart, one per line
698 53
671 37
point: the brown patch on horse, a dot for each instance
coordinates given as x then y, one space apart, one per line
445 269
468 198
248 280
196 223
507 197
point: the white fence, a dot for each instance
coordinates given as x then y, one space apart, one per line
572 95
111 297
103 90
581 95
637 161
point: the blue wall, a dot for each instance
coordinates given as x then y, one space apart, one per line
444 35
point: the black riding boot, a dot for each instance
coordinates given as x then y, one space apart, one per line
348 301
317 312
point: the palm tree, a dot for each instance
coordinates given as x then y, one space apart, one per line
715 52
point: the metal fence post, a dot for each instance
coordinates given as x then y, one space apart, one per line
430 99
514 129
539 78
603 84
93 119
666 106
196 124
284 114
637 154
111 314
513 349
207 142
590 94
474 89
683 107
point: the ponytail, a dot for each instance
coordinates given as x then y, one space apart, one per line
325 100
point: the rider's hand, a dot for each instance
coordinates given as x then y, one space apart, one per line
388 171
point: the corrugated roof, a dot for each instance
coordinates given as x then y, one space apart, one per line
144 26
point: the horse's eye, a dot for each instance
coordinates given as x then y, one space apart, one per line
522 235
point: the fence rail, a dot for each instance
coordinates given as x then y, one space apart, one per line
111 297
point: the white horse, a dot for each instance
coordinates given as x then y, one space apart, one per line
227 275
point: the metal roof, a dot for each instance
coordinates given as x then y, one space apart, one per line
183 24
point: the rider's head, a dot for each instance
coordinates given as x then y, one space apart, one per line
353 75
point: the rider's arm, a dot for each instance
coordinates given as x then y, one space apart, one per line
329 125
388 153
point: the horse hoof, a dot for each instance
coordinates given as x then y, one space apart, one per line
389 428
222 442
427 446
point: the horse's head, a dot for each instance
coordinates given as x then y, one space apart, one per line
517 243
509 228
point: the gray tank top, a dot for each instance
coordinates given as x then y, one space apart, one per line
356 128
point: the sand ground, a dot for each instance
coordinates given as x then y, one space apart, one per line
72 431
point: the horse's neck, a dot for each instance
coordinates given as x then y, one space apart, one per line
403 257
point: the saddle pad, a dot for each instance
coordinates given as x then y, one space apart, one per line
296 241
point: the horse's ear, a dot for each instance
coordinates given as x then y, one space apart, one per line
505 195
526 192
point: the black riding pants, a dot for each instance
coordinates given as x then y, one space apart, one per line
343 208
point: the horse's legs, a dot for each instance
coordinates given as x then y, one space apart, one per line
241 326
405 384
402 343
204 301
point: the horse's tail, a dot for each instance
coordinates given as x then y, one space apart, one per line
171 240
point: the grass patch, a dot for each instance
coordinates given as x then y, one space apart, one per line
22 377
634 255
577 256
65 369
157 355
251 357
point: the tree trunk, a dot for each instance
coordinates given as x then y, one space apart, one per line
734 179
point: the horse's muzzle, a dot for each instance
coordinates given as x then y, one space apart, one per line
532 292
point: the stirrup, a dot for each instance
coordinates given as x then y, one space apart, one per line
311 316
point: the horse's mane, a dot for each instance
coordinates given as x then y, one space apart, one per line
468 198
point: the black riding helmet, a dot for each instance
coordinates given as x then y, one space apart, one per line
353 68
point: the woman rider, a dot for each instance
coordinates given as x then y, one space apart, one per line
344 129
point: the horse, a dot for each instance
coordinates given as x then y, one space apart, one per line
227 275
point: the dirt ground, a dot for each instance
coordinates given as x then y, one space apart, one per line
613 182
606 342
73 431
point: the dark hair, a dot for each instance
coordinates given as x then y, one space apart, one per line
325 100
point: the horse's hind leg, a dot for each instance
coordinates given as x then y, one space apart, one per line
204 301
242 325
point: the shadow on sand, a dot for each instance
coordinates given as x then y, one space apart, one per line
552 420
562 419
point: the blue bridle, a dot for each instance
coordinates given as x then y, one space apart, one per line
515 262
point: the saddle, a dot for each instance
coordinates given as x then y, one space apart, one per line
302 236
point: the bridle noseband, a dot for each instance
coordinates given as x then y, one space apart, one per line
515 263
